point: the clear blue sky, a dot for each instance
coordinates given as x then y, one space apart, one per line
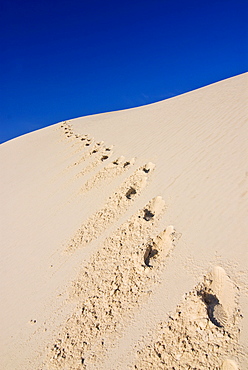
68 58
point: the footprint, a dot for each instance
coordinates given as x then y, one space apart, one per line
190 339
131 191
109 289
104 157
148 167
149 253
223 288
219 297
161 244
155 207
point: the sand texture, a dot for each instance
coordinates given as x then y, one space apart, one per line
124 241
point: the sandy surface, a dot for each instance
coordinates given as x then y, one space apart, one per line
124 238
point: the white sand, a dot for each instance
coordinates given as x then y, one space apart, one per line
93 274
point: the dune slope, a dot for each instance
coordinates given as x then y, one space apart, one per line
124 238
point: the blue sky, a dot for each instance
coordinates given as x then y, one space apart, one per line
70 58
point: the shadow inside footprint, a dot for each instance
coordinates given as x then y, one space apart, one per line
215 311
130 193
148 215
149 253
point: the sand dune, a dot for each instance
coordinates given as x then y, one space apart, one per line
124 238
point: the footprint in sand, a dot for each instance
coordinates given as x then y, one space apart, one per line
192 338
219 297
154 207
158 244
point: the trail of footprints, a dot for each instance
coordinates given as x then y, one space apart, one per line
98 153
116 205
112 285
119 276
101 154
204 331
115 168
